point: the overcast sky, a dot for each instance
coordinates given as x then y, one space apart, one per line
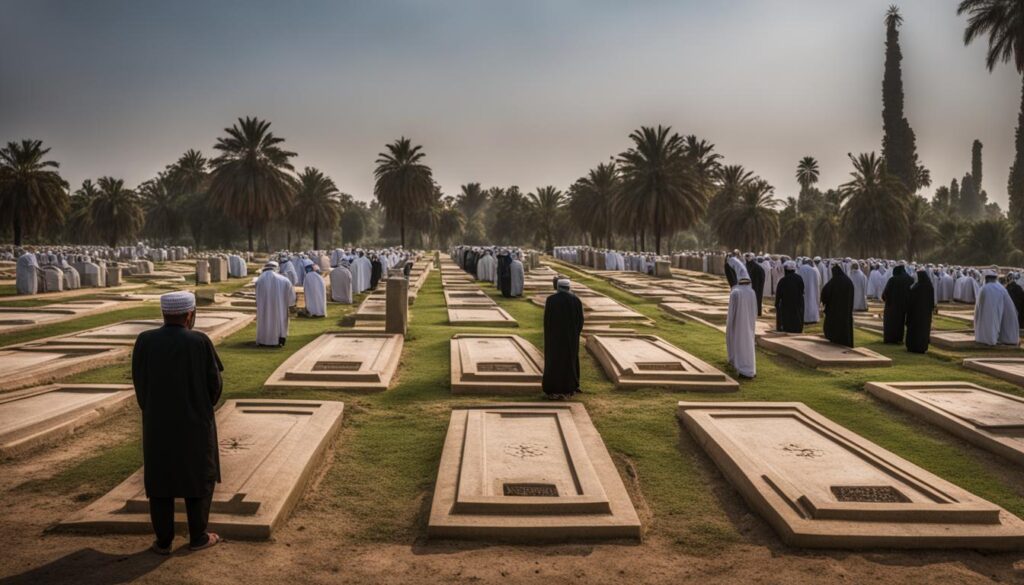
516 92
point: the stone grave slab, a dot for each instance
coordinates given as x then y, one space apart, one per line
528 472
818 352
44 414
821 486
960 313
364 361
467 298
604 309
869 322
481 317
643 361
495 364
986 418
21 318
269 449
373 308
960 340
215 324
1010 369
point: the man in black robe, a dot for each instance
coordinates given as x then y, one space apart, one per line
896 296
376 269
563 323
789 301
505 274
920 305
176 373
730 273
837 298
756 273
1017 296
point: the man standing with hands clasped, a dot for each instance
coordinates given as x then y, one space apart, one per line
177 380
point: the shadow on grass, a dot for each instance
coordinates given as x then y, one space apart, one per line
90 567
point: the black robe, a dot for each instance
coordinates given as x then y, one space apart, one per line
505 275
837 299
730 274
470 267
756 273
177 380
896 296
1017 296
920 305
789 303
563 323
375 272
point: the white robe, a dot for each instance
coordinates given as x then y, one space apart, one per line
518 277
289 272
27 275
860 290
739 329
810 276
989 320
486 268
946 285
361 269
341 285
274 294
315 293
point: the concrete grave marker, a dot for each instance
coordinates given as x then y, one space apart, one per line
961 339
467 298
818 352
481 316
821 486
1010 369
495 364
342 361
639 361
202 271
269 449
397 305
20 318
531 472
989 419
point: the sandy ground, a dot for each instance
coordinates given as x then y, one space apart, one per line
315 547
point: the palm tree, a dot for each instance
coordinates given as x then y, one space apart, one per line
317 202
115 212
751 221
807 173
875 213
250 179
471 202
661 184
795 229
79 225
403 183
162 207
32 194
591 201
732 180
922 235
450 223
546 208
988 242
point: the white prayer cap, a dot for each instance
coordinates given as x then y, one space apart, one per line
817 258
988 273
177 302
563 284
270 264
741 271
790 265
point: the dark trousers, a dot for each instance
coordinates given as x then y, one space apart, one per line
161 513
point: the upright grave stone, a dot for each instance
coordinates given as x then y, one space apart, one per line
202 271
662 269
218 269
396 318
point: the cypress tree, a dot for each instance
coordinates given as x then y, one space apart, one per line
968 197
976 164
954 196
898 142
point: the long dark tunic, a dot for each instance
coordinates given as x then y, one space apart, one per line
756 273
730 274
375 272
837 298
1017 296
921 303
896 296
563 323
470 267
177 380
789 303
505 275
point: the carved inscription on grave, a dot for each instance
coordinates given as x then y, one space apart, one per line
884 494
532 490
660 366
499 367
332 366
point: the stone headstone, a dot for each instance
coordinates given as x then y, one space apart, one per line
662 269
88 274
397 310
206 295
53 279
202 271
600 261
218 269
114 276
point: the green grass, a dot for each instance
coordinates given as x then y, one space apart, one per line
379 483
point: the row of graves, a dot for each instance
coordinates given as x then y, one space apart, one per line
540 471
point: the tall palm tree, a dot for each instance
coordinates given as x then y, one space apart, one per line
450 224
546 207
115 212
32 192
922 235
592 199
403 182
807 173
795 228
251 178
731 181
161 205
876 207
471 202
79 224
751 221
988 242
317 202
661 187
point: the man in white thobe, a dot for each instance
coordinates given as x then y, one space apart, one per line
289 270
518 276
809 274
314 291
486 267
995 317
860 287
274 294
946 285
361 275
341 284
740 323
27 274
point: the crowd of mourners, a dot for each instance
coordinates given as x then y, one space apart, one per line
501 266
59 268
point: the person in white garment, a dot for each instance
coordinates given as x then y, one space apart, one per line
809 274
314 291
740 323
486 267
341 284
361 269
518 275
860 287
288 270
995 317
27 274
274 294
946 285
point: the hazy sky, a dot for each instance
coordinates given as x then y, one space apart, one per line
516 92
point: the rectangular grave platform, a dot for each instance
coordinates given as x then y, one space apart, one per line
373 308
961 340
268 451
821 486
1010 369
986 418
495 364
215 324
481 317
44 414
364 361
528 472
467 298
818 352
14 319
602 309
644 361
